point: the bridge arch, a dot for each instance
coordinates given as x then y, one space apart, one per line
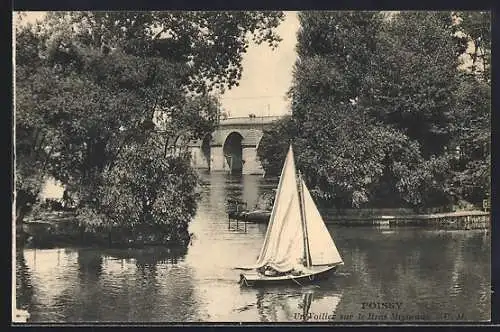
232 149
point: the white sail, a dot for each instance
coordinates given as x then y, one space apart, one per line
283 247
322 248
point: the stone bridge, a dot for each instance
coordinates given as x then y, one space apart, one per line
232 147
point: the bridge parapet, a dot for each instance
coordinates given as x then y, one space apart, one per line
249 121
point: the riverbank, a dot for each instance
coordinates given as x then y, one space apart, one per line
62 228
460 220
463 220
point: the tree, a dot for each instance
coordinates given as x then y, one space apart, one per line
379 106
415 80
271 150
116 78
31 132
339 147
414 91
344 161
149 192
471 141
211 43
472 128
342 43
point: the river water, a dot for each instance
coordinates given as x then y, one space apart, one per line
397 274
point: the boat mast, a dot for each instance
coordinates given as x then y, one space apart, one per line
307 253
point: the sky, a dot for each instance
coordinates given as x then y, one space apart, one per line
266 76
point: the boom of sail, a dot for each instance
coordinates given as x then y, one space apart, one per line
296 237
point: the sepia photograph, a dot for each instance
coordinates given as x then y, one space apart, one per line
251 167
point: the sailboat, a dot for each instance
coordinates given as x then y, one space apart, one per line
297 246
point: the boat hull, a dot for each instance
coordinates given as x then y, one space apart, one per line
259 217
255 279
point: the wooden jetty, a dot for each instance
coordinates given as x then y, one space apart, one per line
236 212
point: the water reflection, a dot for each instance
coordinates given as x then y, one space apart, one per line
89 265
308 304
24 288
428 272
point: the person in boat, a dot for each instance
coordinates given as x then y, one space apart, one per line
269 271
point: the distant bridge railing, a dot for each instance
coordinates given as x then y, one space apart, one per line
249 120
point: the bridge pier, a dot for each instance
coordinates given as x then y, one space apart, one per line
251 164
218 161
198 159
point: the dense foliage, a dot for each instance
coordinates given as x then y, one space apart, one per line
381 103
147 192
100 96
